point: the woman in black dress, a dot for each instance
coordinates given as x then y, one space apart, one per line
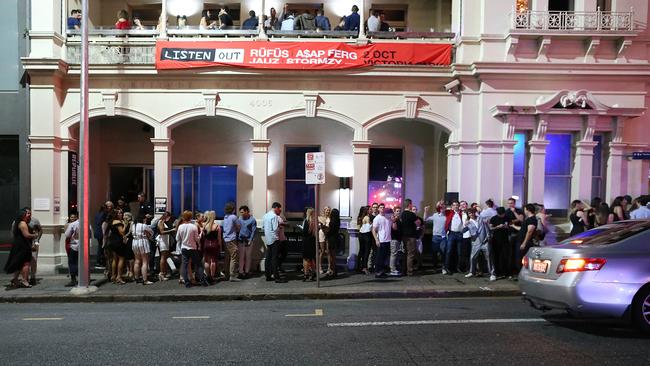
332 235
309 245
116 233
20 255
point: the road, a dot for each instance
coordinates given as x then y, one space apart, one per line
474 331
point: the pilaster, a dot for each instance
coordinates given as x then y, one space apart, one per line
615 181
536 170
162 167
260 177
582 170
361 152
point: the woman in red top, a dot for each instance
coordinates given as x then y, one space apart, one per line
123 20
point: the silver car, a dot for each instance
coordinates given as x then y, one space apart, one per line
604 271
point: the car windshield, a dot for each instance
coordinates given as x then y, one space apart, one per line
609 234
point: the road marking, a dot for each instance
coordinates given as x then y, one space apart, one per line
437 322
43 319
486 288
190 317
317 312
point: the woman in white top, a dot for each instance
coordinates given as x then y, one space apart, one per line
141 234
323 221
187 237
365 239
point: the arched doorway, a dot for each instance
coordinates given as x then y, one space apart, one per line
212 164
407 159
290 140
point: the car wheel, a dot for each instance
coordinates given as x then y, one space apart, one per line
641 310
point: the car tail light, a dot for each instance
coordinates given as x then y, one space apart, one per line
524 262
580 264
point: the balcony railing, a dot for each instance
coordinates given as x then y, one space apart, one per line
113 53
600 21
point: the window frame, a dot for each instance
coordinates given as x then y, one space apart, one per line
287 213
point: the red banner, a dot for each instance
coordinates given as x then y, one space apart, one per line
297 56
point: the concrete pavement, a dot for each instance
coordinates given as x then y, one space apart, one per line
346 286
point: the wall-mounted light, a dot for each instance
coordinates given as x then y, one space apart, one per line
344 196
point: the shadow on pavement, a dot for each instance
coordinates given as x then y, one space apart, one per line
602 327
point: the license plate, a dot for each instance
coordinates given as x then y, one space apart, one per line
540 266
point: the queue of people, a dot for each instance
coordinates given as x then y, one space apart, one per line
468 239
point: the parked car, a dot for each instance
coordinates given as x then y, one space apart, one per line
604 272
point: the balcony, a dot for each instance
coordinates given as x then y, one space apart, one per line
569 21
590 27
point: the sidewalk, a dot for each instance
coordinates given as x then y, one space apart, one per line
347 286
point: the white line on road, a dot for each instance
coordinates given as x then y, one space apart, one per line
41 319
436 322
317 312
190 317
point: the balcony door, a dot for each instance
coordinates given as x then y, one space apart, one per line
560 5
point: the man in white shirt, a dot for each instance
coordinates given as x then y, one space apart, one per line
381 227
288 23
72 237
643 211
188 237
373 22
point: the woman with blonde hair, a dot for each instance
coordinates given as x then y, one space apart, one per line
129 256
211 244
323 222
309 245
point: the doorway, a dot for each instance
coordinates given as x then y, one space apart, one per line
128 181
560 5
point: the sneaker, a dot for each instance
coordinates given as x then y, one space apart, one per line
147 283
493 278
395 273
444 271
469 275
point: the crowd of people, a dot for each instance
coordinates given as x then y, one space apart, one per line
465 238
287 20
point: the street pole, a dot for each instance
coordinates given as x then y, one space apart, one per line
316 212
82 195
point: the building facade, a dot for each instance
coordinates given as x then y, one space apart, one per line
14 124
544 100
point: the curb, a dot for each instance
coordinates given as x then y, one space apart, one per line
99 298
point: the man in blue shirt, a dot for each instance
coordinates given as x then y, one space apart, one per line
250 23
230 227
353 21
272 242
74 20
322 22
247 230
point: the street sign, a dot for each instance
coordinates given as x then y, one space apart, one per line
315 168
641 155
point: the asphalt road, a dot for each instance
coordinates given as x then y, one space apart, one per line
473 331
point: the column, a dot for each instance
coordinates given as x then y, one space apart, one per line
163 20
162 168
262 34
614 185
361 151
582 170
362 13
536 170
507 170
260 176
45 34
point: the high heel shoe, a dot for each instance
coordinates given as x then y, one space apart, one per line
147 283
162 277
24 284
